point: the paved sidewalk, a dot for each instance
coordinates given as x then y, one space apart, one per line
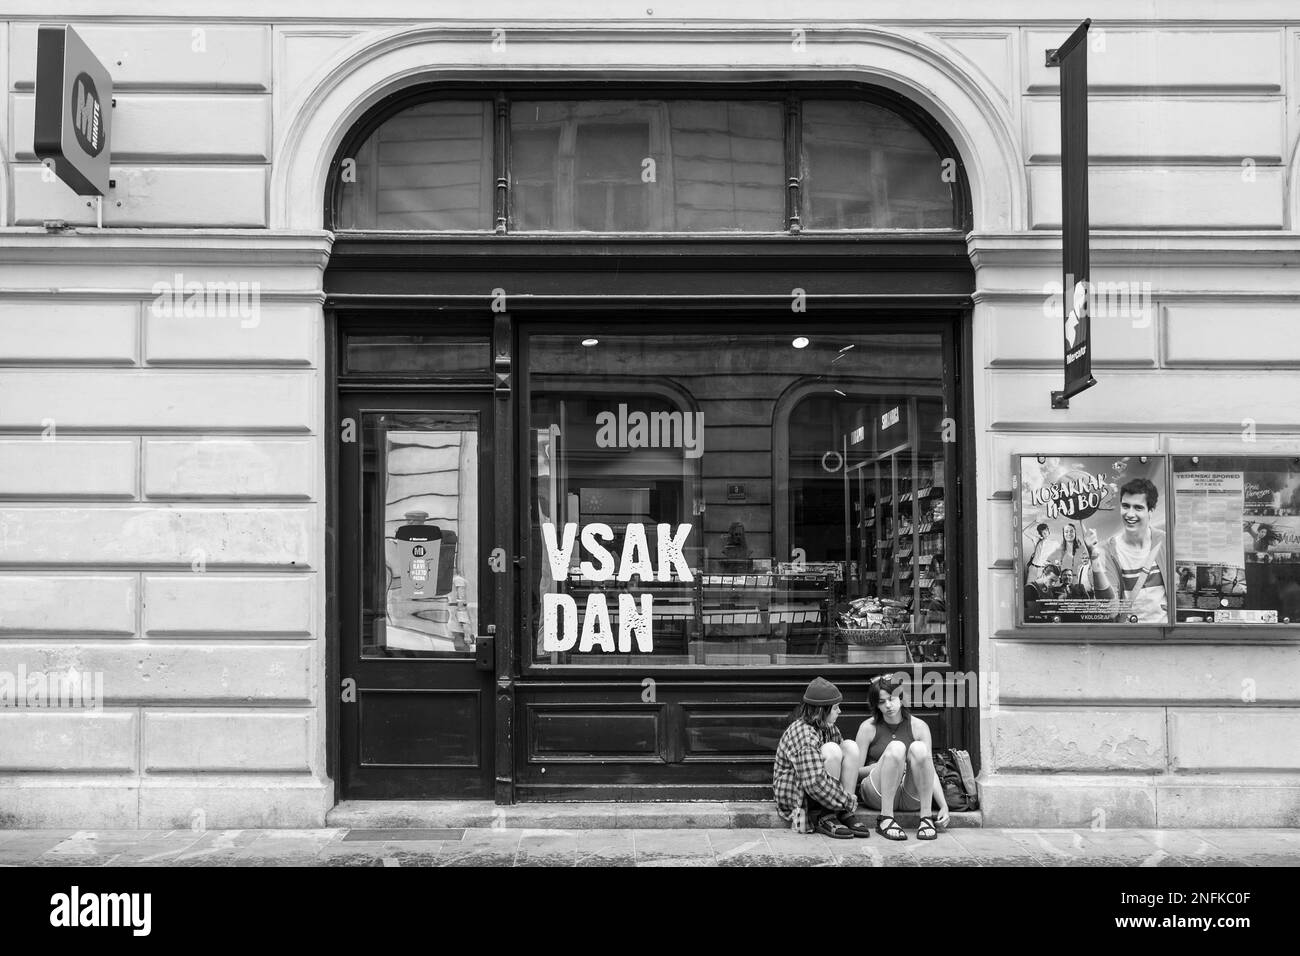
635 847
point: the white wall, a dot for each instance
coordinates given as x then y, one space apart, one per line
177 435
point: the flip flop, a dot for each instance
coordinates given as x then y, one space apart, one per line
926 829
829 826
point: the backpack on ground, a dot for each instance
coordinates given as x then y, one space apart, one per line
957 777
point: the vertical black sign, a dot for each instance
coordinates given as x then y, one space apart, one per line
1072 58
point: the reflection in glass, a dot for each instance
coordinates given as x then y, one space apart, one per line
428 594
865 167
803 486
428 168
647 166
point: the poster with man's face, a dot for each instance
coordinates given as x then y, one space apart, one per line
1091 542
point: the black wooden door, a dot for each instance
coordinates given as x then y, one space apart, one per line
416 598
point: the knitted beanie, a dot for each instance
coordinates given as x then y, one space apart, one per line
822 693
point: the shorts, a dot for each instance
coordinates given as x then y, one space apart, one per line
905 799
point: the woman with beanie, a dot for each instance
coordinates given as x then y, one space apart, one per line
816 769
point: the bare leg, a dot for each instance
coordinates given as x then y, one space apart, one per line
891 766
852 764
921 771
833 758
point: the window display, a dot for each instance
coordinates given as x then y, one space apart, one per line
1091 539
701 499
422 599
1237 539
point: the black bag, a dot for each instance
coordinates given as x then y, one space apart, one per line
948 770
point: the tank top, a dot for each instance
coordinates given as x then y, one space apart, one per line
885 734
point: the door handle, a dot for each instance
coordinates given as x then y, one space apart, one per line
485 653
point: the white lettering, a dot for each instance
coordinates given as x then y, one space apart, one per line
636 555
605 571
559 556
595 625
552 638
631 620
670 551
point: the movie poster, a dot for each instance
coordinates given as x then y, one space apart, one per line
1091 542
1237 539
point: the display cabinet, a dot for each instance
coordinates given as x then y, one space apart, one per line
895 503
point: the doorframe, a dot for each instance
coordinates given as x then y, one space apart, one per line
335 320
438 283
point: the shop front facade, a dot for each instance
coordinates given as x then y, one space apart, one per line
525 410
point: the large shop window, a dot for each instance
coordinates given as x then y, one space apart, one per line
713 499
769 163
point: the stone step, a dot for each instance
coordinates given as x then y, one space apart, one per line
432 814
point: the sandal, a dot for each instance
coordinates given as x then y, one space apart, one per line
831 827
853 824
926 830
892 832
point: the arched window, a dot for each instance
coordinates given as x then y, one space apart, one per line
762 162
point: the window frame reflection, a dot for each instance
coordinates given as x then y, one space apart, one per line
455 611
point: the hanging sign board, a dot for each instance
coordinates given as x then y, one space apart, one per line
1090 542
74 100
1072 58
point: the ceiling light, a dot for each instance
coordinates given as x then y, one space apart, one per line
590 342
801 342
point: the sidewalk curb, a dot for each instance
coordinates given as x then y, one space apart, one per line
422 814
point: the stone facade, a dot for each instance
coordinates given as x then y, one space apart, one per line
162 477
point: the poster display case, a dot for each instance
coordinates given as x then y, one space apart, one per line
1090 539
1157 540
1236 539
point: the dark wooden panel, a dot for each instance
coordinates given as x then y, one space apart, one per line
595 733
558 265
419 728
743 731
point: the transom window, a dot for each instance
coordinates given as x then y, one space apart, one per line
612 164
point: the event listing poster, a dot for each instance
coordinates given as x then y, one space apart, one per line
1236 539
1091 543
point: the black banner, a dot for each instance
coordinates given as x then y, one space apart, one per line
1072 58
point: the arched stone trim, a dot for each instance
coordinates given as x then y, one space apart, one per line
911 64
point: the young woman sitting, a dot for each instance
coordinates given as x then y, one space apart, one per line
816 769
898 773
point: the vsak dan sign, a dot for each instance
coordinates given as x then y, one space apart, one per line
74 106
561 630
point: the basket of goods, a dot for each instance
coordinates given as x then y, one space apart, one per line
872 621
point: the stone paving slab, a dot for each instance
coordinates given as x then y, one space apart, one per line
690 847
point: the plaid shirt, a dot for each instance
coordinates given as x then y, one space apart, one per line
800 770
